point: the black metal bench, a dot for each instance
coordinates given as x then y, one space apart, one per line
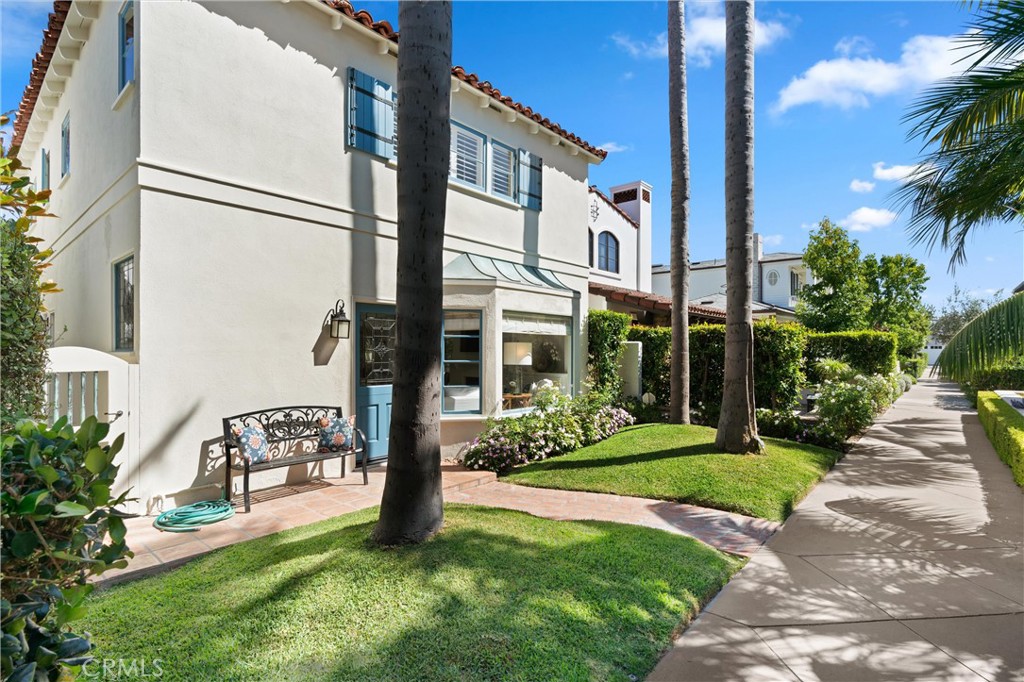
288 428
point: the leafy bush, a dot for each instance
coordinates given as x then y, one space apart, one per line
778 370
830 369
644 414
778 423
559 424
1008 376
56 518
914 366
1005 428
868 352
606 330
23 328
847 408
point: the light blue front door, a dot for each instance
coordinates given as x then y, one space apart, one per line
375 344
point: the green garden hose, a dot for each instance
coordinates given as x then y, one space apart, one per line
191 517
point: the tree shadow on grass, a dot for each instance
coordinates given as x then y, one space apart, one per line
496 595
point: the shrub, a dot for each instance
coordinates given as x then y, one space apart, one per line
22 325
1008 376
868 352
1005 428
56 519
778 371
830 369
914 366
778 423
559 424
606 330
644 414
849 407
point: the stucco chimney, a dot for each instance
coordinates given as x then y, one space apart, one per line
756 270
634 198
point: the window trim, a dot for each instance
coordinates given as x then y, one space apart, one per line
479 362
118 348
604 263
122 81
484 145
65 146
768 278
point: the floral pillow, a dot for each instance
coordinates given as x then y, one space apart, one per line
336 434
252 443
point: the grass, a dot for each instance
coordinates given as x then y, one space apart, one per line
680 463
496 595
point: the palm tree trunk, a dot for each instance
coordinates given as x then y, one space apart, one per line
679 408
411 509
737 428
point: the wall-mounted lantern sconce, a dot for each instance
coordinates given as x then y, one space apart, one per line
338 321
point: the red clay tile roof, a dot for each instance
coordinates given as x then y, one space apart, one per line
39 66
595 190
652 302
382 28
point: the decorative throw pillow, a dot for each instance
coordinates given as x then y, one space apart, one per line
252 443
336 434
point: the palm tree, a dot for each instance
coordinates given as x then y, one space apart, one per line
974 125
737 427
679 408
992 337
411 509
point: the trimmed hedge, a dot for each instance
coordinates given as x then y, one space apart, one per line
868 352
606 331
1009 377
1005 428
914 366
778 374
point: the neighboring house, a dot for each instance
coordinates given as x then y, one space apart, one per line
224 173
778 279
933 348
620 236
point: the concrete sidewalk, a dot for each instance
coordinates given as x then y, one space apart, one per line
905 563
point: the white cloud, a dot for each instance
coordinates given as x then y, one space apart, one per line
705 37
613 147
861 186
848 81
772 239
865 219
808 226
990 259
628 76
853 45
880 172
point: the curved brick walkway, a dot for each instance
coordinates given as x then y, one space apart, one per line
733 533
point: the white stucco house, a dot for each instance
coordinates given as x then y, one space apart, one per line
224 173
778 278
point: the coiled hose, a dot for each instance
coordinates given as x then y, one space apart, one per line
192 517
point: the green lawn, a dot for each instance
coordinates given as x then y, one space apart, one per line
496 595
680 463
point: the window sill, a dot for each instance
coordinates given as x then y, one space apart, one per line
461 417
64 179
125 93
480 194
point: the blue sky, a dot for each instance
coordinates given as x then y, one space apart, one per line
832 82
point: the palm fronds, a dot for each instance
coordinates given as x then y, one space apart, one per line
973 125
994 336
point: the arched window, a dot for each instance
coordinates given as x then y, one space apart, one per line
590 248
607 252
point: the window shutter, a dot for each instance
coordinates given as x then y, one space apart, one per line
530 179
371 115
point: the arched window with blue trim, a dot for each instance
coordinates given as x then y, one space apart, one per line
607 252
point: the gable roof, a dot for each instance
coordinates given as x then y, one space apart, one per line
615 207
51 34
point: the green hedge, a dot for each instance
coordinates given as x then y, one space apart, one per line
606 331
868 352
915 366
1005 428
778 375
1008 376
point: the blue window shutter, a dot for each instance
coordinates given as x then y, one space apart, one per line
531 169
371 115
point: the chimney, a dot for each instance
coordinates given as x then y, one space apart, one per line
756 270
634 198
